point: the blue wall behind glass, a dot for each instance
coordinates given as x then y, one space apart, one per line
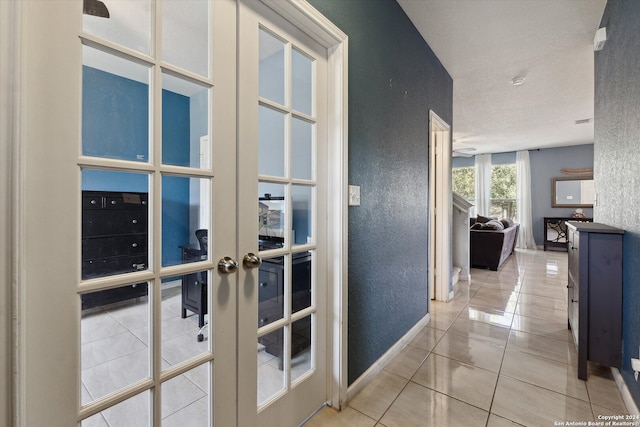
115 119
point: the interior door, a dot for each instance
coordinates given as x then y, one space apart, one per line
138 293
282 218
115 102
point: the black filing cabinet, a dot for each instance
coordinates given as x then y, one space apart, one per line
114 241
595 293
271 302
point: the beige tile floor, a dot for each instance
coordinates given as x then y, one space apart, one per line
498 355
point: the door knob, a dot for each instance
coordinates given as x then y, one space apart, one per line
251 260
227 265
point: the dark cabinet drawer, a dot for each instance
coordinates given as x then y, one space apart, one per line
113 222
100 267
114 200
110 296
133 244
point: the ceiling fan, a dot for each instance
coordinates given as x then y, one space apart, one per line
95 8
463 151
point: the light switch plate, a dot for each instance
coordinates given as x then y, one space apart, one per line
354 195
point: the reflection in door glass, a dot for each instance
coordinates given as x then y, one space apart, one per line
271 68
114 339
185 219
115 107
125 22
271 142
185 123
185 34
271 373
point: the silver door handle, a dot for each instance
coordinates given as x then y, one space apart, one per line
227 265
251 260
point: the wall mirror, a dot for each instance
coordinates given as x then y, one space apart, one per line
576 192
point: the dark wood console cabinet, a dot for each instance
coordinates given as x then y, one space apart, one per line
114 241
595 293
555 232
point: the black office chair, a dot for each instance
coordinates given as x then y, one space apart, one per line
203 239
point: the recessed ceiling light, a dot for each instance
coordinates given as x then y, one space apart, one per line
517 81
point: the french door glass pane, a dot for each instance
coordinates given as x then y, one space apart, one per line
126 22
114 340
185 399
271 142
132 412
302 207
301 348
271 69
185 123
184 215
271 216
181 327
185 30
271 291
114 223
301 149
301 281
271 375
302 81
115 107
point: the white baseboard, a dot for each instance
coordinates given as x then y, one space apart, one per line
632 408
379 364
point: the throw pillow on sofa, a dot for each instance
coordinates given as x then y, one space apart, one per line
493 225
483 219
476 226
506 222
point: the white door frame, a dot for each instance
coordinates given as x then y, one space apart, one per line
300 13
9 46
440 202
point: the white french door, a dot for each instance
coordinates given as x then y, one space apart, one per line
174 215
282 148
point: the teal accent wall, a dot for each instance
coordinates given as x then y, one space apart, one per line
394 80
617 156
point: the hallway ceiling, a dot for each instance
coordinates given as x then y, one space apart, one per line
484 44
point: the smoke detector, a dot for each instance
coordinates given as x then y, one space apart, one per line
517 81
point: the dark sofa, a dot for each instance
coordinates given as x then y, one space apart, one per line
490 248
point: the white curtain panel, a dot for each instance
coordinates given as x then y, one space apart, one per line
523 204
483 184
